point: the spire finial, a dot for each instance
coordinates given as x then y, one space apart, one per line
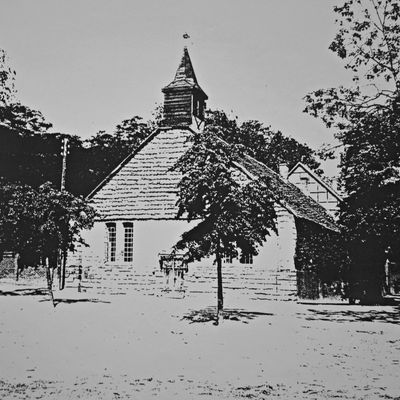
187 40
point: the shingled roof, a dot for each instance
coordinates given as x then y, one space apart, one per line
287 194
143 186
185 76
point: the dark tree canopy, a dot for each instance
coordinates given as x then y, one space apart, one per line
366 118
104 151
41 221
270 147
39 225
32 158
23 119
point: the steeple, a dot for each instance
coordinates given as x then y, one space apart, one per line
185 70
184 100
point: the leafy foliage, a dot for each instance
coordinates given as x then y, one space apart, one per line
368 42
270 147
37 223
31 158
367 121
370 213
13 114
234 215
34 158
23 119
104 151
7 79
321 261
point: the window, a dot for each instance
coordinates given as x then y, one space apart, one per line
246 258
128 242
198 107
305 181
111 241
195 106
227 259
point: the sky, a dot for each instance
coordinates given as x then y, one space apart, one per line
89 64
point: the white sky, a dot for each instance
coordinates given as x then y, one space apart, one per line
89 64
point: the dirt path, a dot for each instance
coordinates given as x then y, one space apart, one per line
142 347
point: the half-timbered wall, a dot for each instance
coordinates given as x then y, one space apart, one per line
317 191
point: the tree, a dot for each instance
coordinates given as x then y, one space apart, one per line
104 151
270 147
33 159
367 122
40 223
13 114
7 79
370 213
23 119
233 216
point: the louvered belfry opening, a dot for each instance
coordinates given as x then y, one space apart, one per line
184 100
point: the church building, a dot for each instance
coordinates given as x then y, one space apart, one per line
131 241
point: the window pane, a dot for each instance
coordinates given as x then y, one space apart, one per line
112 242
246 258
128 242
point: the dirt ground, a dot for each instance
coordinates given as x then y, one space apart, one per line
143 347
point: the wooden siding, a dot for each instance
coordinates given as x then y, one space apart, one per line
178 107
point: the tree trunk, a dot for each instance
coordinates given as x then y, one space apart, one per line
220 302
220 293
63 263
49 276
17 266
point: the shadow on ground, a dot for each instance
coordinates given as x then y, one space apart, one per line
24 292
44 293
210 314
391 315
75 301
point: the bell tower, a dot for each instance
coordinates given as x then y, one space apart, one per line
184 100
